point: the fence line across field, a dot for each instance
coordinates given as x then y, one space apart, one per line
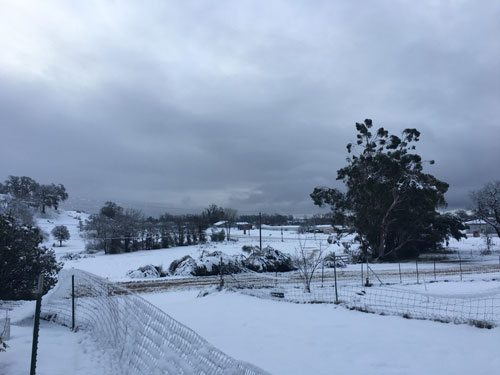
144 339
384 294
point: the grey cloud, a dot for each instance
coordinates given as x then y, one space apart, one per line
248 104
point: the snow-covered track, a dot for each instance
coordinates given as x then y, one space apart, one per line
450 272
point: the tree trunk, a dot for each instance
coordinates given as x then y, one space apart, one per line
383 225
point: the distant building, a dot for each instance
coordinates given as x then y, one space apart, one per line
243 225
326 229
478 227
220 224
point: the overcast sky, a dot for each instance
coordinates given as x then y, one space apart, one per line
246 104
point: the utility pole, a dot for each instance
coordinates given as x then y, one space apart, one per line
260 230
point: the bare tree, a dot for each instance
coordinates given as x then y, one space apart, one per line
230 216
487 204
307 260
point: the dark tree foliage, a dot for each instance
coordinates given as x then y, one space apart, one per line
50 196
36 195
61 233
213 214
390 202
118 230
23 260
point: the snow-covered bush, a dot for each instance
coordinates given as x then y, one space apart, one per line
208 264
216 263
248 248
268 260
330 262
71 256
147 272
184 266
218 236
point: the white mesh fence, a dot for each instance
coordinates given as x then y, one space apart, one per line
482 308
144 339
477 308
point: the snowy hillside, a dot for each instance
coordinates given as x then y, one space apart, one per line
70 219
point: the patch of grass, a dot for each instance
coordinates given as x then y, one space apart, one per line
481 324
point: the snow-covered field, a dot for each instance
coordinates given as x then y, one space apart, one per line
280 337
286 338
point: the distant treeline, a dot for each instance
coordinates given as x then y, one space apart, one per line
118 230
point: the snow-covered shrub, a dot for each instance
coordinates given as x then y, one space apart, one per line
184 266
216 263
268 260
331 263
208 264
218 236
147 272
248 248
71 256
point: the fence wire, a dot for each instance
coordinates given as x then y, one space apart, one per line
144 339
384 296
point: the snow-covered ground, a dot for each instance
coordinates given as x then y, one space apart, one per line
61 352
280 337
455 288
286 338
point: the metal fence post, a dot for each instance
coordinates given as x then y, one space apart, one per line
362 274
73 302
460 264
335 276
323 269
221 282
400 278
367 273
416 265
434 270
36 326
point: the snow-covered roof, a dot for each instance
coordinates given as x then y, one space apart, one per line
222 222
476 222
241 223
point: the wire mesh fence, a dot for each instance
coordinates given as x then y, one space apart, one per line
144 339
389 294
